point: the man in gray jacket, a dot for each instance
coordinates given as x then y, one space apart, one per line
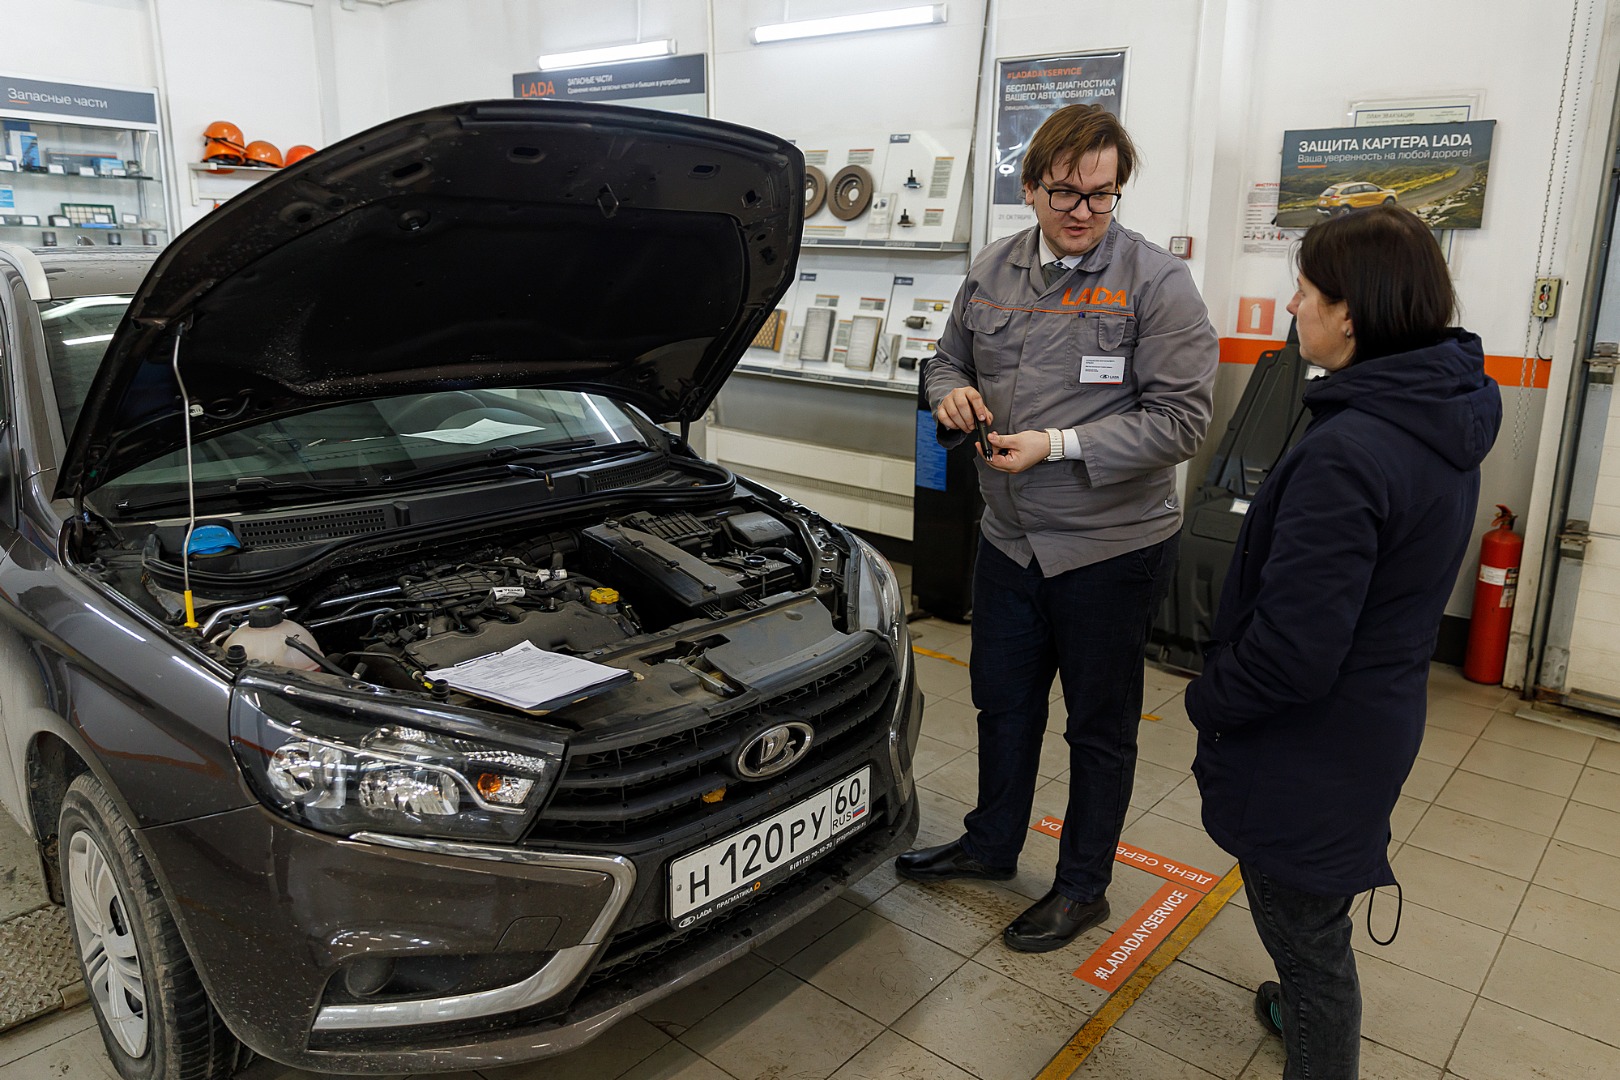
1088 354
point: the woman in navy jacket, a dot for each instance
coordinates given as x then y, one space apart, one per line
1311 706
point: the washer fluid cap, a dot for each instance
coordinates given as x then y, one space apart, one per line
604 596
212 540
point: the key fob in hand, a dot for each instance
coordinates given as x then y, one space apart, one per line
984 441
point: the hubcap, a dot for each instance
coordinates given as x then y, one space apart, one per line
112 968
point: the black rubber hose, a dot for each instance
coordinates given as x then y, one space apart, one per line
326 665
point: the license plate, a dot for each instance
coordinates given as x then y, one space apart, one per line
706 882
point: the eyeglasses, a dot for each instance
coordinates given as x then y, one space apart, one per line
1063 200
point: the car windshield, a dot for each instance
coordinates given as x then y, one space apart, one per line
346 443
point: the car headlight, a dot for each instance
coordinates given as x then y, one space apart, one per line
879 604
326 764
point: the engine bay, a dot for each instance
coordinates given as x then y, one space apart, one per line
639 591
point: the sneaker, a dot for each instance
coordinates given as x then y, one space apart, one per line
1268 1007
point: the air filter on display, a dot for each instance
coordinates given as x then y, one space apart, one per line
770 335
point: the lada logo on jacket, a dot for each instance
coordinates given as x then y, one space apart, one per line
1096 296
774 750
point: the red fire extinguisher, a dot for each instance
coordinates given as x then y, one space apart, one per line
1494 590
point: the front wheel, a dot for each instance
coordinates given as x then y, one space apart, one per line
154 1016
1389 200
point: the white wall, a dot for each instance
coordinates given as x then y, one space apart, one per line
1162 36
252 62
100 43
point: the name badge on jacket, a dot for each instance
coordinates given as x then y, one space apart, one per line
1102 369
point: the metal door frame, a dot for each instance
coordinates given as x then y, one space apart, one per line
1580 449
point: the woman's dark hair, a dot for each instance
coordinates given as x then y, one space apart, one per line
1384 264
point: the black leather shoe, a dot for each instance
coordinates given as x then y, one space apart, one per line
946 862
1052 922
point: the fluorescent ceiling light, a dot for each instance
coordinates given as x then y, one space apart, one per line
87 340
608 54
893 19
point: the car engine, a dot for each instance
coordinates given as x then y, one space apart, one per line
610 590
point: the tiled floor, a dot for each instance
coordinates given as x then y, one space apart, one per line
1507 966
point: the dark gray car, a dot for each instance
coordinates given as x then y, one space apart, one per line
386 690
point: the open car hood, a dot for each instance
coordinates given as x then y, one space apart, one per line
619 251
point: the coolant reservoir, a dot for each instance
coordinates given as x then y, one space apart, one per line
264 637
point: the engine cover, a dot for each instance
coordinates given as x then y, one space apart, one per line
574 628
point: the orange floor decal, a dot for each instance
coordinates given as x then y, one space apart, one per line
1051 826
1067 1061
1192 877
1141 934
1180 873
1137 937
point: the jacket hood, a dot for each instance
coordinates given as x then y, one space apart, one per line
531 243
1440 395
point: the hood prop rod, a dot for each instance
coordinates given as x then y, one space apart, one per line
186 409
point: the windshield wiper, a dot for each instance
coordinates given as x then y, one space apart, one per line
500 460
504 459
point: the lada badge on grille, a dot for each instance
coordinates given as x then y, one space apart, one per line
774 750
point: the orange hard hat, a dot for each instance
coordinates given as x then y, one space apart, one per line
264 153
226 132
298 153
222 144
219 153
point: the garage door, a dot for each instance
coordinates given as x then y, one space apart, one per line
1581 661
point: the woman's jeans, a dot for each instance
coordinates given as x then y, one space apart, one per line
1308 937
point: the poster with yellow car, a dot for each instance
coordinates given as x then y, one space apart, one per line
1438 171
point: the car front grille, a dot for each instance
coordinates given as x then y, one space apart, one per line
638 790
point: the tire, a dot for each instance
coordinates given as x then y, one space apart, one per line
154 1015
1390 201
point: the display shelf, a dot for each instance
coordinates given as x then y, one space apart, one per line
33 237
81 178
887 245
214 184
7 175
823 373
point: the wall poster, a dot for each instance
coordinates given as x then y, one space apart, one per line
1027 92
1438 171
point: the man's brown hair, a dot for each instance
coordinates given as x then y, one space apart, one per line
1072 132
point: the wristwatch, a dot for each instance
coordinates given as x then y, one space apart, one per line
1055 438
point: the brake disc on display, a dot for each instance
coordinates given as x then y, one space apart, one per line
815 190
850 193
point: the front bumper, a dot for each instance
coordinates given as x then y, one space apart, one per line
272 914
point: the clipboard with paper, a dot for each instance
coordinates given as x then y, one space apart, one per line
531 679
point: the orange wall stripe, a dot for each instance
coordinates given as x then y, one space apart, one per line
1242 350
1504 369
1509 371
